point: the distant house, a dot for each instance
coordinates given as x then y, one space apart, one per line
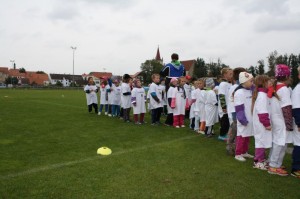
97 76
189 66
66 79
41 79
15 73
137 75
3 74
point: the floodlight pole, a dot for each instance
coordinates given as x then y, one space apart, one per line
73 48
13 63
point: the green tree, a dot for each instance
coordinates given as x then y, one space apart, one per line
261 67
294 63
40 72
11 80
58 83
22 70
252 70
148 68
200 69
272 62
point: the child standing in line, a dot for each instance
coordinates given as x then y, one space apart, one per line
230 146
261 121
116 98
91 95
200 105
188 92
164 101
242 103
178 104
223 101
109 89
126 97
173 85
194 113
296 134
138 97
281 120
155 100
103 97
211 106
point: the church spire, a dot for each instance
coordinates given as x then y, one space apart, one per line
157 57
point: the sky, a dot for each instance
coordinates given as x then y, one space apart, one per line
118 35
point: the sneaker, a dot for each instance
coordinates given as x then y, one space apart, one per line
182 126
296 174
209 135
99 113
138 123
153 124
201 132
247 155
177 127
109 115
240 158
260 165
277 171
223 138
105 113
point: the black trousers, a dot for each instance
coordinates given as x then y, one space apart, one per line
169 120
224 125
155 115
126 112
90 107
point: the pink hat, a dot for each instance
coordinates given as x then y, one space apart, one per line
174 80
282 71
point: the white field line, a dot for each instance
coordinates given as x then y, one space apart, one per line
65 164
57 104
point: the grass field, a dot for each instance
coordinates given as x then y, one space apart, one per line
48 145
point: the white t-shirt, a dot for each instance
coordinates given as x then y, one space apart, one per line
91 98
280 135
116 95
180 101
296 104
139 95
125 99
223 90
158 90
263 137
244 96
103 95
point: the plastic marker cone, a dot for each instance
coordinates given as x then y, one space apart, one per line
104 151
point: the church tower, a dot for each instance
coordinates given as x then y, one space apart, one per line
158 57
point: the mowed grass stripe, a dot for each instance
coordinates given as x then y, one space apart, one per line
69 163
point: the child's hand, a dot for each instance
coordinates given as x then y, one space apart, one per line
269 128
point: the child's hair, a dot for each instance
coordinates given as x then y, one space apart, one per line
260 81
237 71
224 71
154 75
104 82
278 79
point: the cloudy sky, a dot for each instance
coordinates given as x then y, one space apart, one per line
118 35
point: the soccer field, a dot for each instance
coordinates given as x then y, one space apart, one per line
48 144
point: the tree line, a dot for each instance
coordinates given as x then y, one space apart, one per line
213 69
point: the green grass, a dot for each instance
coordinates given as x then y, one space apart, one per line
48 145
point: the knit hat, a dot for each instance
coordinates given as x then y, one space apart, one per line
282 71
174 80
209 82
244 76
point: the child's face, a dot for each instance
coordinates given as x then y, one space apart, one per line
174 83
130 81
228 75
200 85
155 79
91 81
138 84
116 83
182 81
248 84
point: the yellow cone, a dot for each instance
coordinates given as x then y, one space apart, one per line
104 151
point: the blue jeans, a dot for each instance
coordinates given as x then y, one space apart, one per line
105 107
115 110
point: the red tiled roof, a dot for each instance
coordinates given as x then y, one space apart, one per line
4 70
188 64
37 78
16 73
101 75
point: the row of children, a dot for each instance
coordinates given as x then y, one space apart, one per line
242 109
268 110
